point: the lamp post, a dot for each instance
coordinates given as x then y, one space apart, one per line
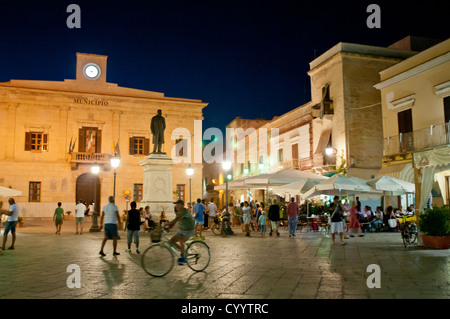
94 225
190 172
226 166
115 162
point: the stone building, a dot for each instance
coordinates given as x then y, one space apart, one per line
53 132
341 125
415 97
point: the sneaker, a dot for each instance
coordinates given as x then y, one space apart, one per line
137 251
11 248
181 261
361 235
128 250
352 236
102 254
116 254
76 233
293 235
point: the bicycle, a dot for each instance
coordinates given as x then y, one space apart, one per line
216 228
408 230
159 259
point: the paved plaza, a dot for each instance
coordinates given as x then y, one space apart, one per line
306 266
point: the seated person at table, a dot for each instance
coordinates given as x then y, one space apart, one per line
378 218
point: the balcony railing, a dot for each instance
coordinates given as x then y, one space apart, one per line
299 164
435 135
78 157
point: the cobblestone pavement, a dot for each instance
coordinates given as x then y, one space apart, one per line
306 266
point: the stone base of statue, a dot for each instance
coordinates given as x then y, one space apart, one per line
157 188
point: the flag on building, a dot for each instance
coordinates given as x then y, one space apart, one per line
90 146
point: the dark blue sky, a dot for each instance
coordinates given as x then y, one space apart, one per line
245 58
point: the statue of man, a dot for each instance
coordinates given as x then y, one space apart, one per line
157 126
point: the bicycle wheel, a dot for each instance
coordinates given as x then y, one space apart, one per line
197 256
406 235
157 260
413 234
216 229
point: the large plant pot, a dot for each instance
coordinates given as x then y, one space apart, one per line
438 242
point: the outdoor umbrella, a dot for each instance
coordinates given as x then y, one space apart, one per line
282 177
341 185
9 192
236 184
392 186
297 188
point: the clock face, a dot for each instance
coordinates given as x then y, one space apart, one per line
91 71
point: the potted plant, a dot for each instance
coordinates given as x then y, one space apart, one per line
68 215
20 221
435 226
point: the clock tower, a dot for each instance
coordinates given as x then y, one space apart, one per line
91 68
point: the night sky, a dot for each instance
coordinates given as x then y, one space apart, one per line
245 58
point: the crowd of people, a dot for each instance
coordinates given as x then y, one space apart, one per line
253 217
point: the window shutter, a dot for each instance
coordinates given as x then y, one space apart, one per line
27 141
45 142
98 142
146 146
81 140
131 145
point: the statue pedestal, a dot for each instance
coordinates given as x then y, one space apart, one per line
157 188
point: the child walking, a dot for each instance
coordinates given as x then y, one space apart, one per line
262 223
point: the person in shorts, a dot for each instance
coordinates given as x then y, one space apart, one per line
336 211
80 209
110 214
212 213
58 218
199 209
186 229
13 219
133 226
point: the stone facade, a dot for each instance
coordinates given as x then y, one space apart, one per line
57 114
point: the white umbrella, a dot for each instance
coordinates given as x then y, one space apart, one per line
341 185
392 186
280 178
236 184
9 192
297 188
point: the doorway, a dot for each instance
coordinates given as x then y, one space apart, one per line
88 190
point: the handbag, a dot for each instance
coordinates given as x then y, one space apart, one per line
392 222
330 218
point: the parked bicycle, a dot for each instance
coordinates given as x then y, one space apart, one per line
408 230
159 259
216 228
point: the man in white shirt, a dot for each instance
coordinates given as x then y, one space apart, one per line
110 213
212 209
80 209
13 218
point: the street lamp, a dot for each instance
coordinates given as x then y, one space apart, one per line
115 162
226 166
190 172
94 225
329 151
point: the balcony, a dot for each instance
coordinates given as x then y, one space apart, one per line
299 164
86 158
435 135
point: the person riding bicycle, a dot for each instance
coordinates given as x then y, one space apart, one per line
186 228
